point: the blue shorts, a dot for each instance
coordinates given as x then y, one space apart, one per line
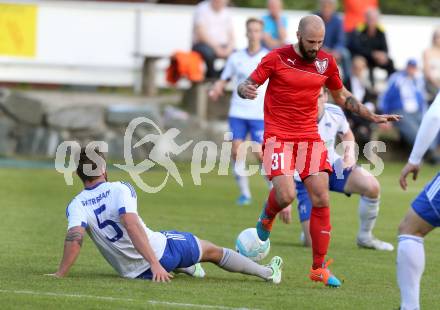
427 203
337 180
182 250
241 127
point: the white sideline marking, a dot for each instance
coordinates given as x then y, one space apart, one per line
153 302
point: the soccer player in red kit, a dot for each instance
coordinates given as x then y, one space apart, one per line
296 74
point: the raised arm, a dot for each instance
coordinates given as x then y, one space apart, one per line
140 241
346 100
72 247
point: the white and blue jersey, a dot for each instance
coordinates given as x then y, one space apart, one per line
245 116
238 68
331 123
98 209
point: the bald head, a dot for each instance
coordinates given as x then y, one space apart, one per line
311 32
310 23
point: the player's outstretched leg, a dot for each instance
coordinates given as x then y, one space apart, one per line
320 228
360 181
231 261
411 253
281 196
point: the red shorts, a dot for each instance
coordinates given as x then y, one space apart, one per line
306 156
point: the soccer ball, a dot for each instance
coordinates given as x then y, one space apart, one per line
248 244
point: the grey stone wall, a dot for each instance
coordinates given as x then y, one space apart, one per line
33 125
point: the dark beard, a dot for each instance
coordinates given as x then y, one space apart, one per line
307 56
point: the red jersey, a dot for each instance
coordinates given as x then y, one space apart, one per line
291 101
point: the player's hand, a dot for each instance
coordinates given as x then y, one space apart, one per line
409 168
215 92
383 118
286 214
160 274
248 91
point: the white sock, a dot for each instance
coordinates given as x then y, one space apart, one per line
234 262
410 266
242 180
368 211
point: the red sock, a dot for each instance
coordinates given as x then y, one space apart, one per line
320 232
272 206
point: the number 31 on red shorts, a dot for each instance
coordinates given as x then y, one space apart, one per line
284 157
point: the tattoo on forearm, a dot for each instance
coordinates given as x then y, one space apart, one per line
74 237
352 105
240 90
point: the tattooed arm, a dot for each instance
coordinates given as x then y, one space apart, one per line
347 101
72 247
248 89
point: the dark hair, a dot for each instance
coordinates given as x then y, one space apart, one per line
83 160
254 20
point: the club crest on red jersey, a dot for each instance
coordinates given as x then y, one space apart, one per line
321 65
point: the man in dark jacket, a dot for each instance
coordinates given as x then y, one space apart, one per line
369 41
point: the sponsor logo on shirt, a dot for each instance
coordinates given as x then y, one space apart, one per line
321 65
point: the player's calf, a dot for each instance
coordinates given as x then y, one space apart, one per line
284 197
281 196
232 261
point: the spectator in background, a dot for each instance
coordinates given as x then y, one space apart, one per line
431 65
359 85
275 25
354 12
370 42
213 35
405 96
334 40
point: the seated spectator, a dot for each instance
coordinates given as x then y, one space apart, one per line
431 66
370 42
354 12
275 25
359 85
213 35
405 96
334 40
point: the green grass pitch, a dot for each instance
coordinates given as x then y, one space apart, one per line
33 226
